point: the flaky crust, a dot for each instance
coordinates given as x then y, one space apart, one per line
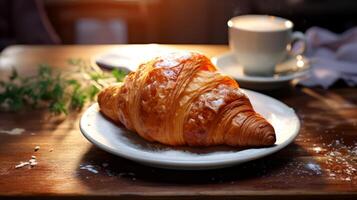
181 99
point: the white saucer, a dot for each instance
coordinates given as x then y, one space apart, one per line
119 141
290 69
130 57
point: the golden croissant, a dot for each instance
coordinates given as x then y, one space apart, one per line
181 99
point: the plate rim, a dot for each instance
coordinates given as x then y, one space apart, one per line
272 79
191 165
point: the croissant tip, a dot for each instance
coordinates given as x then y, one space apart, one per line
270 139
106 101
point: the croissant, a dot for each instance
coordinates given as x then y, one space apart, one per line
181 99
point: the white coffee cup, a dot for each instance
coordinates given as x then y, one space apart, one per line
259 42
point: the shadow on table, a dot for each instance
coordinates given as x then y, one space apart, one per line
111 167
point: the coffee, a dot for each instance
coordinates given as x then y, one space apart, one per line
261 23
259 42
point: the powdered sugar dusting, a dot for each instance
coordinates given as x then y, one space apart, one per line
173 59
22 164
104 167
89 168
317 149
341 160
32 162
314 167
215 104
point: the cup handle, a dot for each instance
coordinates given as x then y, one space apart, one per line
297 36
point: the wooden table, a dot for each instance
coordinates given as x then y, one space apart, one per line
321 163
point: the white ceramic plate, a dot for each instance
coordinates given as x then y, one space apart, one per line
288 70
119 141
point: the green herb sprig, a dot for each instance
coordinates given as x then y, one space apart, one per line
60 93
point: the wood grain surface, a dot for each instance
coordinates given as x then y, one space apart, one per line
320 164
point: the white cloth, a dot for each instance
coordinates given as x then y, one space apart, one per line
333 57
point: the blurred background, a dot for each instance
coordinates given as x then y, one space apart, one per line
155 21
